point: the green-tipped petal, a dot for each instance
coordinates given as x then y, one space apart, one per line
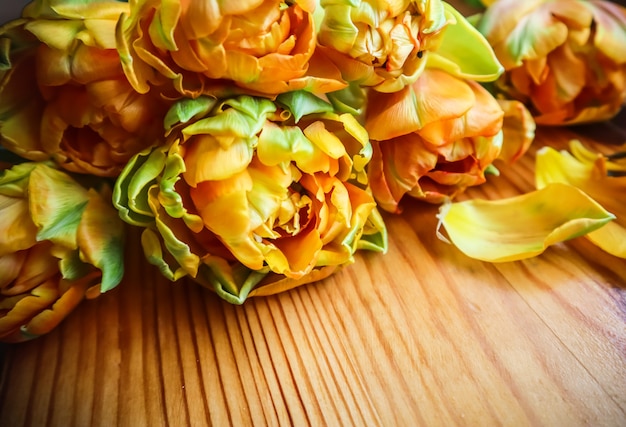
101 240
153 251
186 109
464 52
56 205
14 181
278 284
71 266
374 237
241 117
523 226
231 283
130 193
300 103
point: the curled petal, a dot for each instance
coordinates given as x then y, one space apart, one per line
464 52
518 128
588 171
523 226
435 96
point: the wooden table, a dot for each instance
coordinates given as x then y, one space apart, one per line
421 336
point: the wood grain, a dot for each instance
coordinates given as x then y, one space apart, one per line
421 336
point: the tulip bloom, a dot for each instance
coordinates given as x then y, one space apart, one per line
59 243
246 200
565 59
432 139
64 95
385 45
196 48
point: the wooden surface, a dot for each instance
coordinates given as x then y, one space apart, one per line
421 336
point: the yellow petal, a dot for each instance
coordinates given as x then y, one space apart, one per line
207 160
523 226
16 228
589 174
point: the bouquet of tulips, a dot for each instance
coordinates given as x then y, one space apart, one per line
254 143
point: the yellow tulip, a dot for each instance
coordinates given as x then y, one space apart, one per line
249 196
385 45
194 48
565 59
432 139
64 96
59 243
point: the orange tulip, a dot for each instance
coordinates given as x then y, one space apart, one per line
59 243
221 48
565 59
64 95
248 197
432 139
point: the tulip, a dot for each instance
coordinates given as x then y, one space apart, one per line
60 242
564 59
385 45
432 139
248 200
64 96
195 48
